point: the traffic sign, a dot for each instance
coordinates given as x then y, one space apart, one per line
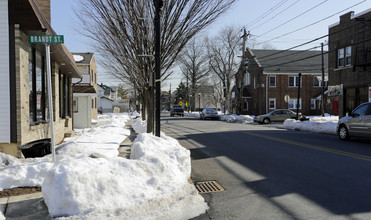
46 39
180 103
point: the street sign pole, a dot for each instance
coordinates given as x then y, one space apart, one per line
47 40
50 98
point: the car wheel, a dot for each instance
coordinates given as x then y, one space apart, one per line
343 133
266 121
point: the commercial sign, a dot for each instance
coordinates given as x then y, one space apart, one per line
335 90
46 39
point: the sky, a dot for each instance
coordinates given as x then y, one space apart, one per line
89 180
293 21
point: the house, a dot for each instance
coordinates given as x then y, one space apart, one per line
272 81
105 99
85 91
24 115
204 96
350 62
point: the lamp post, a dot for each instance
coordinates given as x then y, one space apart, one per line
158 5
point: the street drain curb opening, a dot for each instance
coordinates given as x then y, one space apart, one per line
208 187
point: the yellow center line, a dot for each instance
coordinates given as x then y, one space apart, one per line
339 152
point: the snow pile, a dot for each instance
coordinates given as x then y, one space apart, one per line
152 185
192 114
317 124
89 181
245 119
139 126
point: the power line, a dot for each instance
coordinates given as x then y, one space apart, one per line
297 60
313 23
268 12
294 17
252 28
316 39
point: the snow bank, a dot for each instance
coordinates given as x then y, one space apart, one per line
245 119
317 124
103 141
152 185
139 126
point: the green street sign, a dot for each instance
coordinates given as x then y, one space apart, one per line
46 39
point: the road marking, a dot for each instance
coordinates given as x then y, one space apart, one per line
339 152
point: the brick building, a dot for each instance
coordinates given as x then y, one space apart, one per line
350 61
273 74
24 115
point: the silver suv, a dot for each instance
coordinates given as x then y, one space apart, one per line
356 123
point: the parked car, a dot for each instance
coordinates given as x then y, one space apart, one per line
209 113
278 115
176 110
356 123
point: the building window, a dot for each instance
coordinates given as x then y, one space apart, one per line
37 88
317 82
75 104
64 100
246 106
246 79
345 56
348 56
341 57
272 81
312 104
293 81
272 103
293 102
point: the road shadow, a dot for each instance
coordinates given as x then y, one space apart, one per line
338 183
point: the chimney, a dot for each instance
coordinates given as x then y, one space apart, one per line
44 6
346 17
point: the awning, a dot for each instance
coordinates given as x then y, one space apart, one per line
27 14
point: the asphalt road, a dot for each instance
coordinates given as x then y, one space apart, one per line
272 173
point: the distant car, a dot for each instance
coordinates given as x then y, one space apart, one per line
209 113
357 123
278 115
176 110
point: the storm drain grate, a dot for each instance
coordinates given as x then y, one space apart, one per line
208 187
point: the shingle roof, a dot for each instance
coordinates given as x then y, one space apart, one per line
281 61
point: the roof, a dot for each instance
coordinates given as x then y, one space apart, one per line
105 87
33 22
83 58
289 61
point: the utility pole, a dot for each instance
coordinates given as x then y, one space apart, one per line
323 83
298 101
243 69
158 4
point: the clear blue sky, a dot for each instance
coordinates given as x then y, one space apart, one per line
252 14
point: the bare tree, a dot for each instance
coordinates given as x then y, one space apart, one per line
194 64
223 60
124 32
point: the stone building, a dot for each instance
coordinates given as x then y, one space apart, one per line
24 115
350 62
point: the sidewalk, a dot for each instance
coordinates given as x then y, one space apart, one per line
32 206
